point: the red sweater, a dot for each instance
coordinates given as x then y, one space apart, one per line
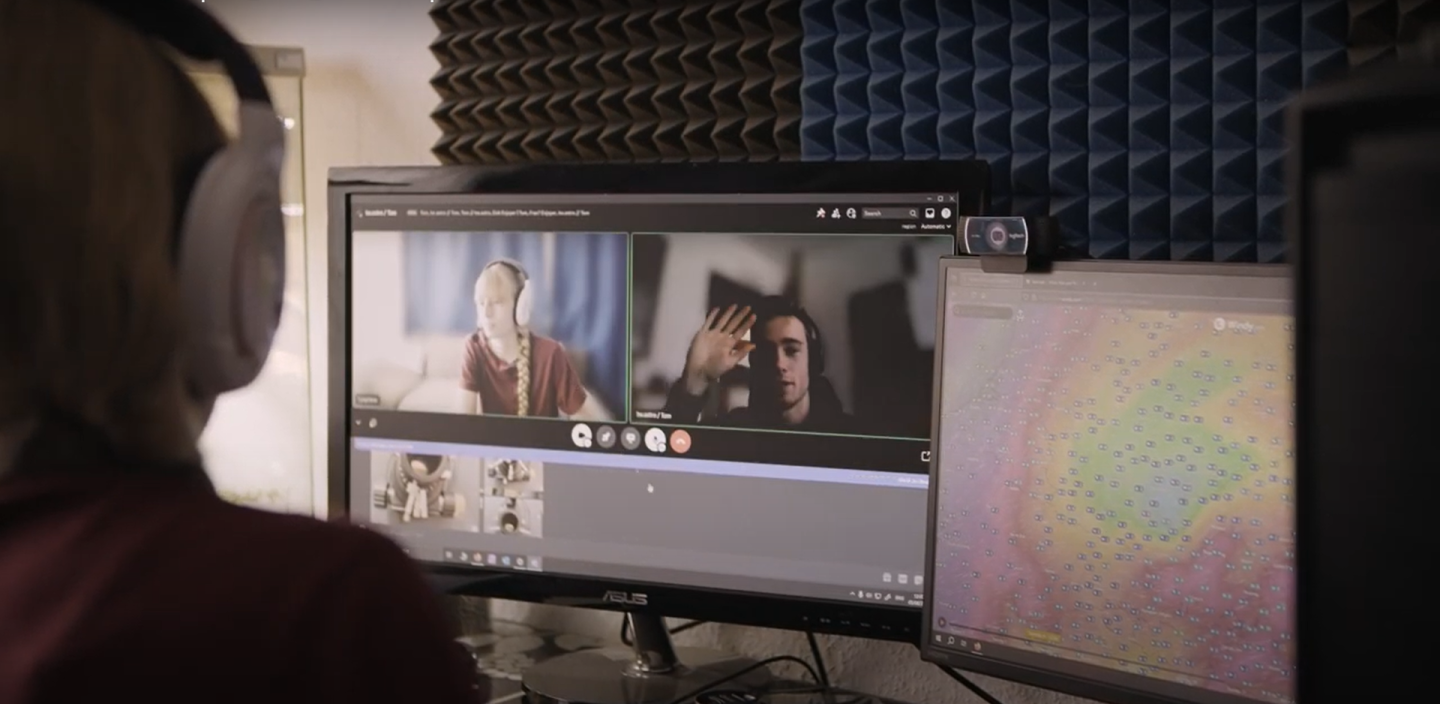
153 589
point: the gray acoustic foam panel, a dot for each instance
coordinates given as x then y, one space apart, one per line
613 80
1151 129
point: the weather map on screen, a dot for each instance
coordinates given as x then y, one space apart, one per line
1116 489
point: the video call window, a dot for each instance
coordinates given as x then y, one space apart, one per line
1115 475
528 324
710 360
816 333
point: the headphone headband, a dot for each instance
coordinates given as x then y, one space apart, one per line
512 265
195 33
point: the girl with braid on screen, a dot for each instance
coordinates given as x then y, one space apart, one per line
510 370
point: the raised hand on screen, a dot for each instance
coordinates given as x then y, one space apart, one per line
717 347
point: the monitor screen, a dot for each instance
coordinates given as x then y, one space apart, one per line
722 392
1113 512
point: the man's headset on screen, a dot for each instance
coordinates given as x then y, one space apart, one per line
230 243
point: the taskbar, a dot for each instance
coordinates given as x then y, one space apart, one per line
891 455
511 562
959 646
492 560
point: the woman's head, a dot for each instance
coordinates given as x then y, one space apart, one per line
497 291
101 135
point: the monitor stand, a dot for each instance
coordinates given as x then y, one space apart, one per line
653 671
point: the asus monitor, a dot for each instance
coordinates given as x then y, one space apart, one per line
1113 488
697 391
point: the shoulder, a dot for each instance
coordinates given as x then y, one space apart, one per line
307 566
542 347
473 345
307 544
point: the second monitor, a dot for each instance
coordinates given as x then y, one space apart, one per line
1113 487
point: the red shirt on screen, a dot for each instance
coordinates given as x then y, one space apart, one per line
555 388
154 588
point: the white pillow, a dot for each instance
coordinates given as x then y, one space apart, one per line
390 381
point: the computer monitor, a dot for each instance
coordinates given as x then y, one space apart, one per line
1363 162
697 391
1113 487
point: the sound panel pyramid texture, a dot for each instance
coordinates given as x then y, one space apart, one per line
616 80
1379 29
1151 129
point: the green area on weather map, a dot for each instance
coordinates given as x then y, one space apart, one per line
1155 467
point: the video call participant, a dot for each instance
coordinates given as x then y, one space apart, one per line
509 370
788 388
419 488
123 575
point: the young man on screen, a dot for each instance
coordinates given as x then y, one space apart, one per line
788 388
510 370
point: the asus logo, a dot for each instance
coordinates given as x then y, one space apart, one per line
627 598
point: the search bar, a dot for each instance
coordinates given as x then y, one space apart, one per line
889 213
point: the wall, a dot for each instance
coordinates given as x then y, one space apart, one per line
685 287
367 102
379 291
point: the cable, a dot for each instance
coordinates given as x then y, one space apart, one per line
685 626
814 676
970 685
627 640
820 668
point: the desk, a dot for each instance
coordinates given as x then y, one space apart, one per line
503 653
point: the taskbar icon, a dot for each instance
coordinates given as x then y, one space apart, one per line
494 560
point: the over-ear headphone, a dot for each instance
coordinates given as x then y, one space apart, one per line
231 237
814 342
524 299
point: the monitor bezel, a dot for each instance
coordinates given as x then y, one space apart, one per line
968 178
1089 688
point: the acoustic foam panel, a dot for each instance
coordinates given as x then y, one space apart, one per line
1151 129
1380 29
611 80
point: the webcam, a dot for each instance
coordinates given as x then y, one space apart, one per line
1007 243
998 236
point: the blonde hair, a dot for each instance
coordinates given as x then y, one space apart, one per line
99 131
522 376
522 359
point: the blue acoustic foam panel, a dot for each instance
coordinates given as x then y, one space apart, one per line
1151 129
617 80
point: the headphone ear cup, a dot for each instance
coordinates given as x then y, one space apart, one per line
524 305
231 270
817 349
